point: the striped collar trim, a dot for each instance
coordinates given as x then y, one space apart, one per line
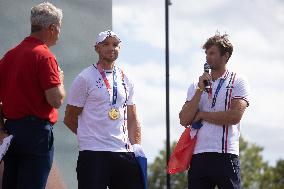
225 75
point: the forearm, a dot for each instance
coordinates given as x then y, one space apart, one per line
189 109
62 93
55 96
230 117
133 125
134 133
71 117
61 87
72 124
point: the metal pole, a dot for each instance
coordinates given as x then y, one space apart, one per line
167 4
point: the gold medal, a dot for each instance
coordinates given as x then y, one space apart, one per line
113 114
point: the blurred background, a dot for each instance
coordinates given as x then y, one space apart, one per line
82 21
255 28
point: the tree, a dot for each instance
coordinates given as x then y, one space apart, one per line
252 165
277 178
255 172
157 174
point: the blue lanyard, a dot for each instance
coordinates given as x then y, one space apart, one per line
114 88
216 92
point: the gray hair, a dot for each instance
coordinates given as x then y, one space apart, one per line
45 14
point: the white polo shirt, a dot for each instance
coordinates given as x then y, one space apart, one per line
96 131
216 138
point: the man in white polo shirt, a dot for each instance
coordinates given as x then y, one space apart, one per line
102 113
215 116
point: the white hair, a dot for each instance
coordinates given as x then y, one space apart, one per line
45 14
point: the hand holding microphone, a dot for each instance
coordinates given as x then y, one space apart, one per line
207 82
204 80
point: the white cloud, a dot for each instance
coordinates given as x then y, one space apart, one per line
255 29
264 110
141 19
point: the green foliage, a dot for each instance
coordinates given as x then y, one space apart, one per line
252 164
255 172
276 181
157 174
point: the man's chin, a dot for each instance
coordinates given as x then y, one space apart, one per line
110 60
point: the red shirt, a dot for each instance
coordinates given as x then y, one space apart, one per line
26 72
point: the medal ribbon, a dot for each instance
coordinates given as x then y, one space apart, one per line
114 98
217 92
114 88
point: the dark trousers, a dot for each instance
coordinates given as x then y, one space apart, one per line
208 170
29 159
117 170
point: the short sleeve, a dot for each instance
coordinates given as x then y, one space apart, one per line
78 92
48 73
241 90
191 92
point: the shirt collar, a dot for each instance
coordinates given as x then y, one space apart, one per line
225 74
34 40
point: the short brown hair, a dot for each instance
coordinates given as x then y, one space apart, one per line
222 42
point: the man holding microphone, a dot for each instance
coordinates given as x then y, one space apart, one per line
217 103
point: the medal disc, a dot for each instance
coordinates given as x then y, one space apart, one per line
113 114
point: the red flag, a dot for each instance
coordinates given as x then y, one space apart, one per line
182 154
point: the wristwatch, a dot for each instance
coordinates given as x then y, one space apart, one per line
199 89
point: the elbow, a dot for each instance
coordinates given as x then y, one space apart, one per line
236 119
184 122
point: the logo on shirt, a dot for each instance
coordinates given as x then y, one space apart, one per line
99 83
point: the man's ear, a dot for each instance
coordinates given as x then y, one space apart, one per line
51 27
97 48
226 56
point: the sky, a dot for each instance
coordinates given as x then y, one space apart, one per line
256 30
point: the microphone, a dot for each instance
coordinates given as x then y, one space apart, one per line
207 82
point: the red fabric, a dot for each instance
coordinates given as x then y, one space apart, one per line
182 154
26 71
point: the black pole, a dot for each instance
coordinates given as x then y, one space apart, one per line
167 4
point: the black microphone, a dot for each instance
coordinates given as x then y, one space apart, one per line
207 82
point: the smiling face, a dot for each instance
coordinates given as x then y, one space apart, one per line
108 49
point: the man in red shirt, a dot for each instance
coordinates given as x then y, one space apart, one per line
31 89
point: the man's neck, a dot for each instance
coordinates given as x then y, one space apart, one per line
106 65
215 74
40 36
